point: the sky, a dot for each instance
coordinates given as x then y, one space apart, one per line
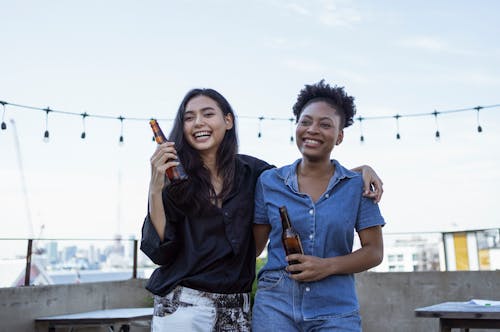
138 59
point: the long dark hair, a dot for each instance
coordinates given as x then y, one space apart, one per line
196 193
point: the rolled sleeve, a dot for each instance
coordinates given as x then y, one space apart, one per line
368 215
161 253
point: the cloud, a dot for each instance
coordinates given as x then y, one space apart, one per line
331 13
335 13
432 44
298 9
424 43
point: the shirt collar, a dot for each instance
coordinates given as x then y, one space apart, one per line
289 175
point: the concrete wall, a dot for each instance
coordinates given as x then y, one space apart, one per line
387 300
20 306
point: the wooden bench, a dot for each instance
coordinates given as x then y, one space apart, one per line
121 317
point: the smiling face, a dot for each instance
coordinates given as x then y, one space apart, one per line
318 130
205 124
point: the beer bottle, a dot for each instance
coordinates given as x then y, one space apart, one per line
289 237
175 173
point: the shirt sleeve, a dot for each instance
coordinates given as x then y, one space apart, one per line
260 213
160 252
369 215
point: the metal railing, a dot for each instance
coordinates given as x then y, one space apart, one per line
33 248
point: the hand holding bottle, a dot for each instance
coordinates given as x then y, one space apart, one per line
174 172
164 158
309 268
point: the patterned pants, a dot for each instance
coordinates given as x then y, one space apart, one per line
185 309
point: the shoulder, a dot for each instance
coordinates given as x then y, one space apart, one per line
346 173
254 164
280 174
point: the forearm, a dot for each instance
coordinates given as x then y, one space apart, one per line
358 261
358 169
157 213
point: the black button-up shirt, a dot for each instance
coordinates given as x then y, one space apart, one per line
213 253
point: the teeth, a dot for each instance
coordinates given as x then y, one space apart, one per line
202 133
311 141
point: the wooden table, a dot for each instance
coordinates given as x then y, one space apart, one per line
108 317
463 315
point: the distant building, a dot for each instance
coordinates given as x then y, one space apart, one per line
410 255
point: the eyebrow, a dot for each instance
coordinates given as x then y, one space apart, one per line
208 108
320 119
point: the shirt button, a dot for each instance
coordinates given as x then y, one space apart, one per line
311 212
327 195
307 289
311 237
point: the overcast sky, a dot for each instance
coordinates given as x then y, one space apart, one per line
137 59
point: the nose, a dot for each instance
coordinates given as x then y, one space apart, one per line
313 128
198 120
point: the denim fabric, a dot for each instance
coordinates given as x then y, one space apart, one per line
278 307
326 228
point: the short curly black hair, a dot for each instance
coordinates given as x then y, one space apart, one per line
335 96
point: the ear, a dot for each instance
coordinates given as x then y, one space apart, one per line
228 118
340 137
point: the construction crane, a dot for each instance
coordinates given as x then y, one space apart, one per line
27 206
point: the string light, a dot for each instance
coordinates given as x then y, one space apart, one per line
259 134
46 133
121 118
361 137
437 135
397 116
4 125
84 115
479 128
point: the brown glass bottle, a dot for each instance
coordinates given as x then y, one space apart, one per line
289 237
175 173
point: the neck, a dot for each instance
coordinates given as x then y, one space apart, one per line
307 167
210 162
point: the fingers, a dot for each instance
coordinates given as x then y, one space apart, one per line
373 189
163 158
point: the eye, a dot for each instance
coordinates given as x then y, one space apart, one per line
209 114
188 118
325 125
305 122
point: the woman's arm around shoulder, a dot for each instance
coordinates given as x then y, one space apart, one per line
372 184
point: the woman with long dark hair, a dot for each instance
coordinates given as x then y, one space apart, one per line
199 230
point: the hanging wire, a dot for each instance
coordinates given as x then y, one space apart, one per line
46 133
437 134
361 137
121 118
261 118
479 128
4 125
397 116
84 115
291 130
259 134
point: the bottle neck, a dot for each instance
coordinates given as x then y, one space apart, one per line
285 220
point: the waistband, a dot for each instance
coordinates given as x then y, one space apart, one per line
193 297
